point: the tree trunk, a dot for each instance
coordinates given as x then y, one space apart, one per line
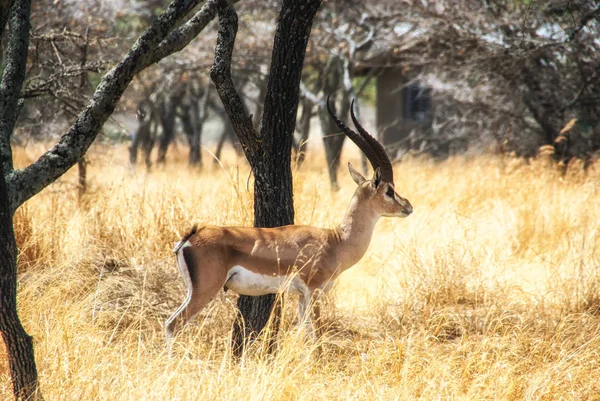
333 140
273 196
198 119
168 112
269 153
19 345
195 158
189 121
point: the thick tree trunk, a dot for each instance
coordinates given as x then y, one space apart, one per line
273 196
19 345
269 153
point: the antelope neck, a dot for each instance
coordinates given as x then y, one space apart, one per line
355 232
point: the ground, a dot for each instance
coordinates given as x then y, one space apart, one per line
490 290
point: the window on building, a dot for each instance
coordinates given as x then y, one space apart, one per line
417 102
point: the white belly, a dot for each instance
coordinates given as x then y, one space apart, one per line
246 282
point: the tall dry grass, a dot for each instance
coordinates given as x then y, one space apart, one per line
490 290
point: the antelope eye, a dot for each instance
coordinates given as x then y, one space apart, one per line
390 193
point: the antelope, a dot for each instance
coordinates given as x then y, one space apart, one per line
296 259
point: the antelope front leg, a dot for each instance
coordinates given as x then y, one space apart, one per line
304 315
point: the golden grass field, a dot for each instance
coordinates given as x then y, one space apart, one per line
490 290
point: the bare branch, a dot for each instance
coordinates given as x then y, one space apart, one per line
5 6
25 183
180 37
45 86
584 21
577 96
368 40
220 73
310 96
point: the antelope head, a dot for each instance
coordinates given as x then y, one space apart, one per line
378 193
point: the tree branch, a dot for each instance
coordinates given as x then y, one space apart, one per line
5 6
36 87
179 38
13 77
25 183
313 98
584 21
220 73
580 92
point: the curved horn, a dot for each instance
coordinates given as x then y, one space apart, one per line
387 173
362 144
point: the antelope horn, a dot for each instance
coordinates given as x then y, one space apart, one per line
362 144
384 163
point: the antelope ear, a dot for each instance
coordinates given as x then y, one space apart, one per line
356 176
377 177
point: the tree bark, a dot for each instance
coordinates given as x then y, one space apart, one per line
269 153
19 344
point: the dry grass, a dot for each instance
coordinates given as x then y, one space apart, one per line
490 290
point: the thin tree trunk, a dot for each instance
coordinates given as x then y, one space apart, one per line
197 123
333 140
189 122
167 117
19 344
304 129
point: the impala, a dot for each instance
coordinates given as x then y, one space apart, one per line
302 260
